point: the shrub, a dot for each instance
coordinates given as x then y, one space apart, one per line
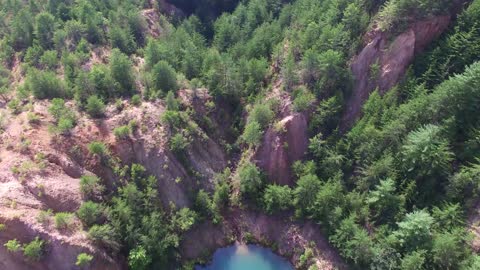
122 132
164 77
89 213
171 102
250 180
57 108
63 220
64 125
15 106
138 259
45 84
178 144
252 133
262 114
277 198
34 250
90 186
84 259
95 107
303 99
49 60
136 100
185 219
122 73
104 235
97 148
13 245
203 203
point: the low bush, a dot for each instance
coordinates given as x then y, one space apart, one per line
122 132
34 250
95 107
84 259
89 213
13 245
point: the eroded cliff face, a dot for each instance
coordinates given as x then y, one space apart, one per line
40 171
284 142
282 145
382 63
36 175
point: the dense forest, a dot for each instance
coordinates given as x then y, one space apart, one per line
392 191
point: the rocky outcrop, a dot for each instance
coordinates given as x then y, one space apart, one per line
290 238
150 149
383 63
283 144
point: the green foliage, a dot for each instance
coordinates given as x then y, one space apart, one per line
178 144
34 250
122 132
252 134
426 152
95 107
97 148
44 29
45 84
394 11
353 242
49 60
184 219
171 102
89 213
448 250
136 100
303 99
64 117
63 220
465 184
164 77
104 235
122 73
305 193
251 181
4 82
13 245
414 232
90 186
262 114
138 259
413 261
384 201
83 260
277 198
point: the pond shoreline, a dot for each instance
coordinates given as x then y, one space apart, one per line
238 251
287 238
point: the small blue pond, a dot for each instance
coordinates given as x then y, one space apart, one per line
242 257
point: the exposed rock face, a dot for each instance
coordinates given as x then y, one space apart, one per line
392 58
150 149
282 145
30 183
291 238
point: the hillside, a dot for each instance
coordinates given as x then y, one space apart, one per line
341 134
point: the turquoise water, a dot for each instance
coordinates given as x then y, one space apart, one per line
251 257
